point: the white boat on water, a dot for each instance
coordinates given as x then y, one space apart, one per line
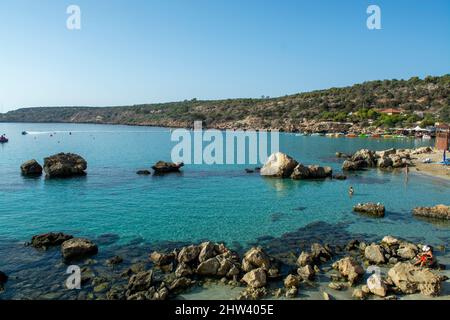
426 137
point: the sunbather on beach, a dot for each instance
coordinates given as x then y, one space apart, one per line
425 257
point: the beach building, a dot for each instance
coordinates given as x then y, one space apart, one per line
442 137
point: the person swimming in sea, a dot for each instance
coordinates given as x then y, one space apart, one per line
351 191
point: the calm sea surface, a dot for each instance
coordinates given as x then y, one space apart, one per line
130 215
218 202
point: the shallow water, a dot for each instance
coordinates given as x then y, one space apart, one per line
219 202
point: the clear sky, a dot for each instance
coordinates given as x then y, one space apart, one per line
131 52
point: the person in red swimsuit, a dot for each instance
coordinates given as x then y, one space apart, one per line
426 257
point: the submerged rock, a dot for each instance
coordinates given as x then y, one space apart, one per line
411 279
141 281
278 165
64 165
373 209
339 176
3 278
437 212
167 167
51 239
77 248
342 155
114 260
31 168
321 253
143 172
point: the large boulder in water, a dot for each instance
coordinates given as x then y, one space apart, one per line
350 165
437 212
278 165
385 162
365 155
166 167
311 172
31 168
411 279
64 165
77 248
51 239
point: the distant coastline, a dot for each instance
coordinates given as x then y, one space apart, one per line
361 108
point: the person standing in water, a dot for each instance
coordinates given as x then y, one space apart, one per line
351 191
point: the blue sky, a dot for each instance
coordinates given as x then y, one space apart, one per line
131 52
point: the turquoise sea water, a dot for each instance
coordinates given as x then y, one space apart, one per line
219 202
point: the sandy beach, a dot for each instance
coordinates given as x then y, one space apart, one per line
435 168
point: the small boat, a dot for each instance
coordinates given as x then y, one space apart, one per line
375 135
351 135
363 135
387 136
3 139
24 133
426 137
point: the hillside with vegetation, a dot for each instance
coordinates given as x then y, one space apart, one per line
422 101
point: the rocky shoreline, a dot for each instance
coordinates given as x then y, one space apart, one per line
167 274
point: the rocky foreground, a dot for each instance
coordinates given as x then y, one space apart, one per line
383 269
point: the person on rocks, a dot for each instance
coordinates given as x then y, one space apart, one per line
425 257
351 191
